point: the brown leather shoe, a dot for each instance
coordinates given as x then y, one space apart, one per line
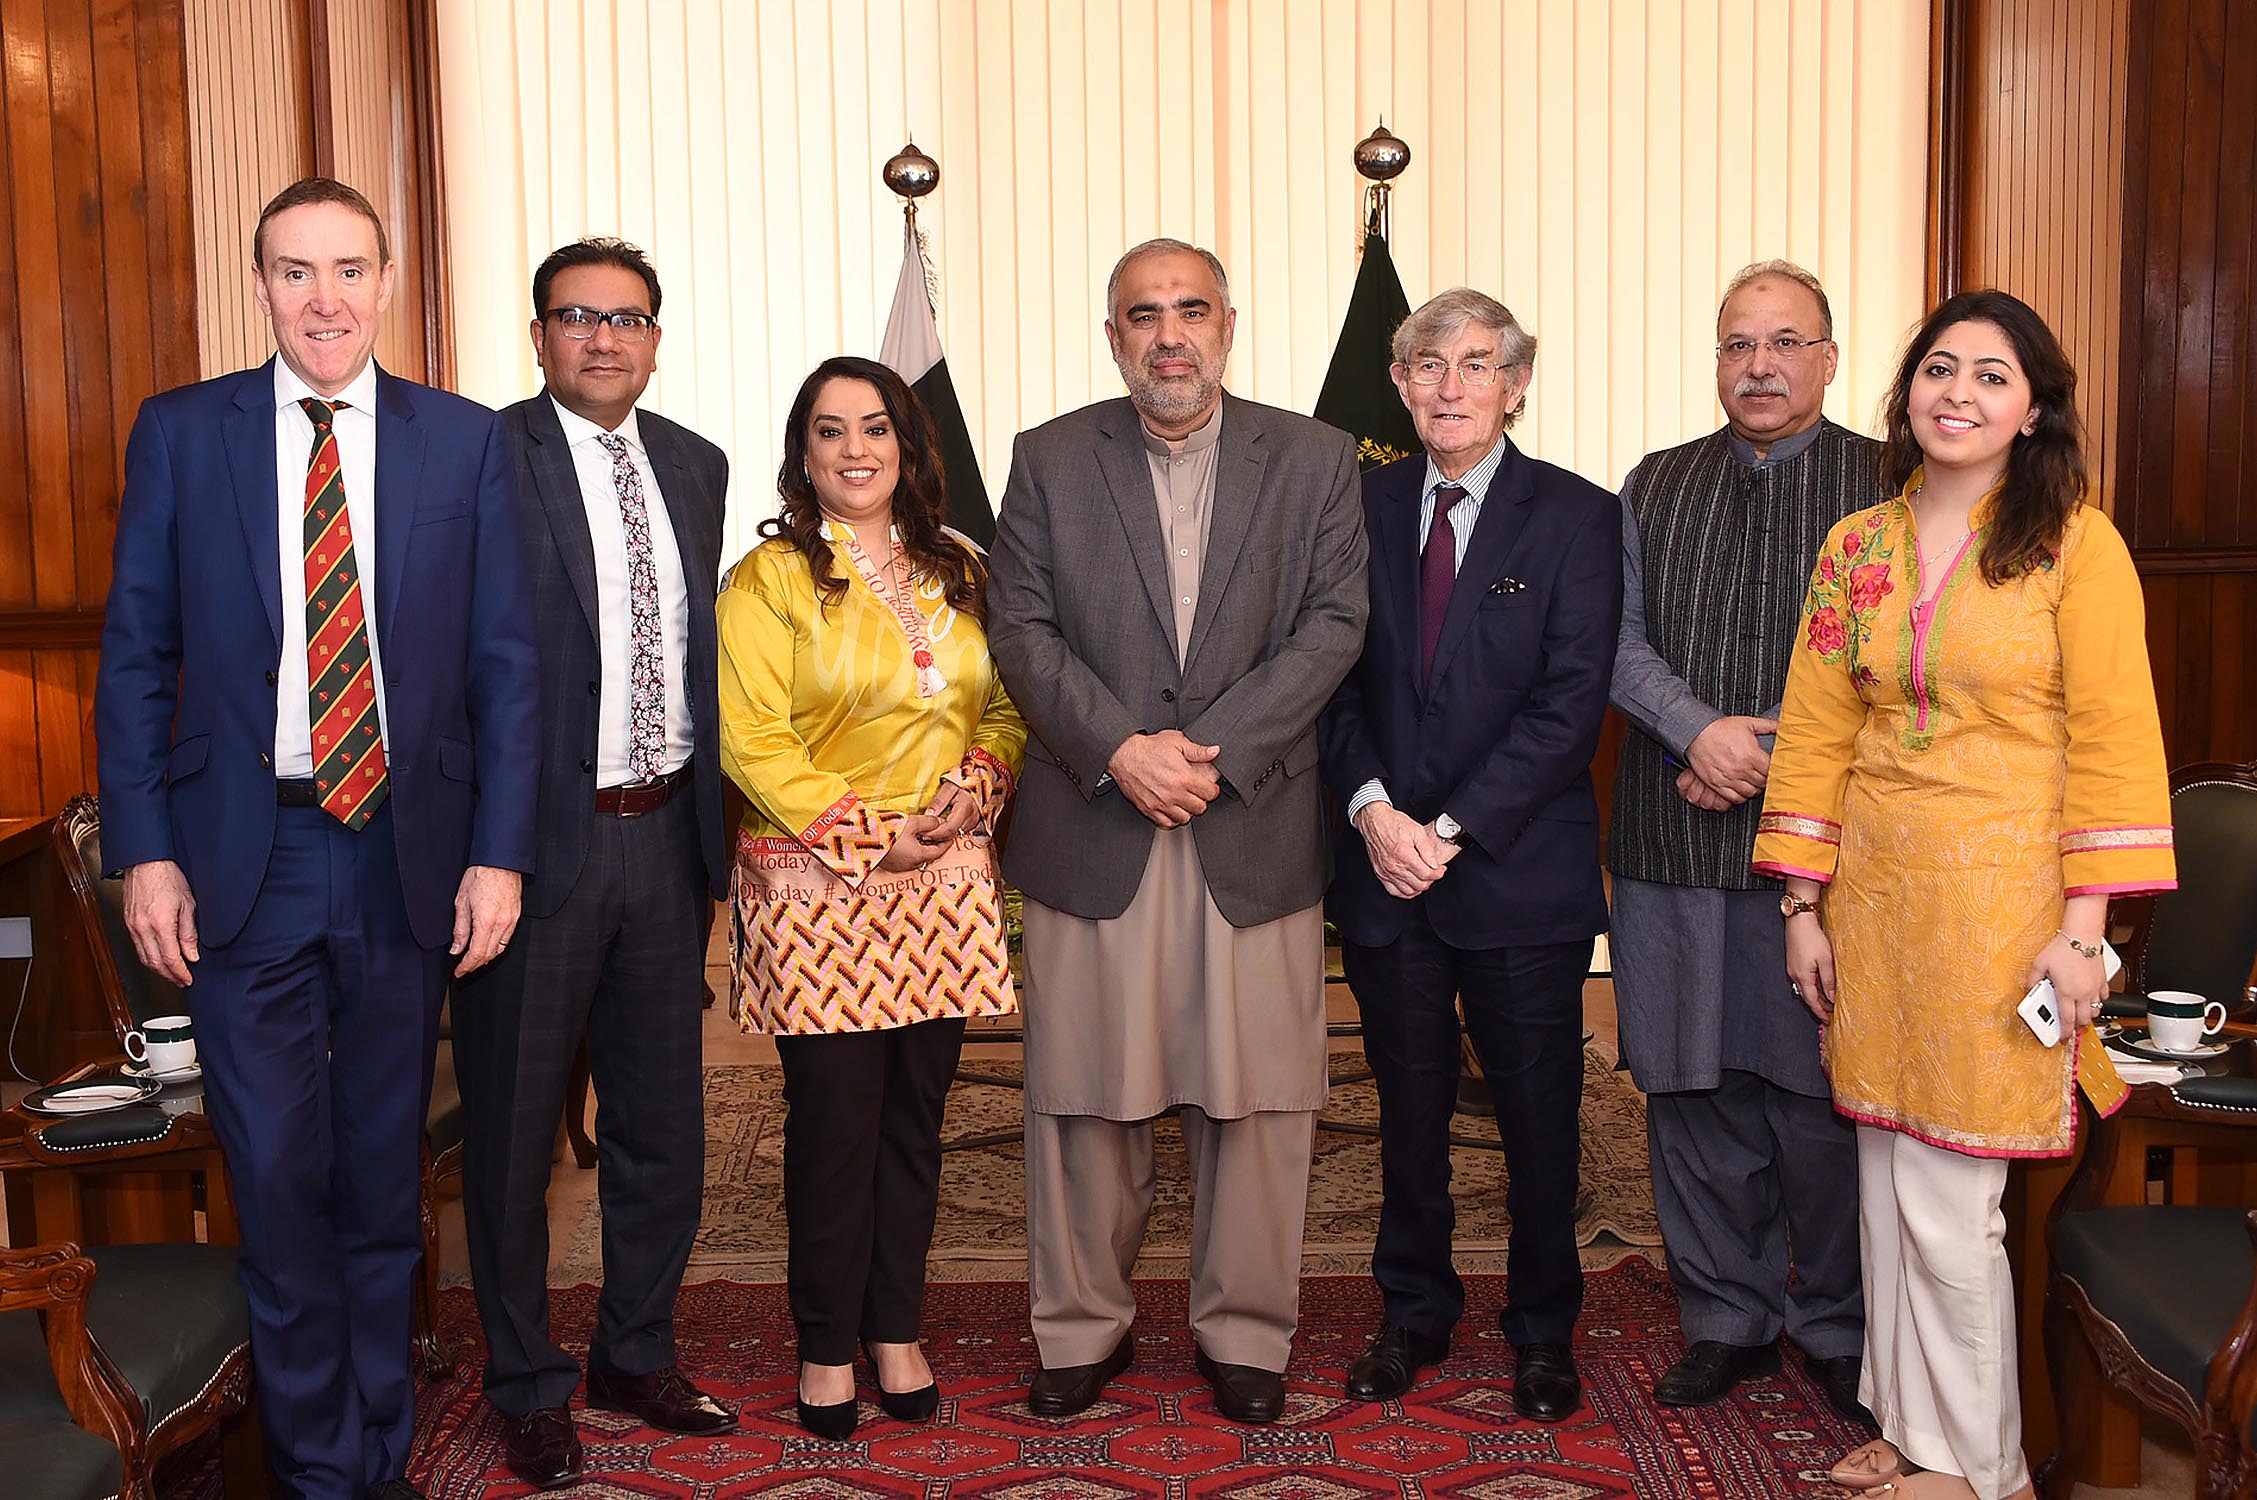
1243 1393
541 1447
1068 1389
664 1398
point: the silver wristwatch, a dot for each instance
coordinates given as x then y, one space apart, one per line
1447 829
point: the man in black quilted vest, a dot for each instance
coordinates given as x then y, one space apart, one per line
1753 1172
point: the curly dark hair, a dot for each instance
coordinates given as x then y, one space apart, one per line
920 495
2046 476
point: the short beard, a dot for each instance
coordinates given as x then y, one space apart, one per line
1169 400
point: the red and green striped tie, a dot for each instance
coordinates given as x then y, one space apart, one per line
348 750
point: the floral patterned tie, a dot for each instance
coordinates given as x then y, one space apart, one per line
646 663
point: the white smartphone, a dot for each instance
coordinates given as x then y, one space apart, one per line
2041 1012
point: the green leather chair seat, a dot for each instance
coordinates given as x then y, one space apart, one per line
56 1461
168 1316
2173 1279
27 1378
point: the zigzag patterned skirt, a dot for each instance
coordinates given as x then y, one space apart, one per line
812 955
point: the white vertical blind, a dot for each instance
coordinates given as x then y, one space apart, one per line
1602 167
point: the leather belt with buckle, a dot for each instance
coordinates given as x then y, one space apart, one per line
637 798
296 792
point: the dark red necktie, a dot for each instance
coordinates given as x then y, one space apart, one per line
1437 571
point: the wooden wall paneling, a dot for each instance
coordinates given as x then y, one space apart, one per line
2232 459
15 499
2188 441
95 288
2195 274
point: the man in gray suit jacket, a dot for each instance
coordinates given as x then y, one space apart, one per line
621 511
1177 587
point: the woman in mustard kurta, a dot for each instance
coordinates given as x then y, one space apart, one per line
1969 765
863 719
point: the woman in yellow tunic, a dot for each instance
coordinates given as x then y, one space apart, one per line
1969 764
863 719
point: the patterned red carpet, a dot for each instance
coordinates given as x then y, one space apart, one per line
1157 1435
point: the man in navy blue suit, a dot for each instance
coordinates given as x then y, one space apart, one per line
1459 752
318 712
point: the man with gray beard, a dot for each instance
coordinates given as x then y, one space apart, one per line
1753 1172
1177 587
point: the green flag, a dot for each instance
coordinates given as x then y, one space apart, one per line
911 349
1358 397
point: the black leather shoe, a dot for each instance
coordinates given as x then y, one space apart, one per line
1391 1365
1072 1388
834 1423
664 1398
1709 1371
541 1447
1243 1393
1837 1377
1545 1385
903 1406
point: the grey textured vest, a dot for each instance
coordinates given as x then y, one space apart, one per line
1728 552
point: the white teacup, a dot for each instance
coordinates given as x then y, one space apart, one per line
166 1044
2178 1021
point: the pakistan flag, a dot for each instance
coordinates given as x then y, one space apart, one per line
1358 397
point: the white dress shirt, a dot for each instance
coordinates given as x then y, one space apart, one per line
591 462
1463 516
355 426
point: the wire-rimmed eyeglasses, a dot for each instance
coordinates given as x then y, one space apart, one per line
1433 370
1787 346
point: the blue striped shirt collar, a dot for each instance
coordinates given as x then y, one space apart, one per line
1475 481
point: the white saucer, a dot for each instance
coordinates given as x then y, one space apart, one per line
174 1075
87 1096
2206 1049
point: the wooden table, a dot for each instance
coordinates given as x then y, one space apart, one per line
146 1193
2105 1438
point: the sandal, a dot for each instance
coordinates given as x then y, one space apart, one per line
1869 1466
1922 1484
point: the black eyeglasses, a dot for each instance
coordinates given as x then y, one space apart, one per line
582 322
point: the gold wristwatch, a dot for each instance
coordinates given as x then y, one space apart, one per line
1794 906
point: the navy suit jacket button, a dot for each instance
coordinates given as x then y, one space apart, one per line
588 766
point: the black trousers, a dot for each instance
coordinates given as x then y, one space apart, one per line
862 1180
1524 1013
623 961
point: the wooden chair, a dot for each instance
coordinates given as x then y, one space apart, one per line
63 1406
169 1319
2165 1298
2202 937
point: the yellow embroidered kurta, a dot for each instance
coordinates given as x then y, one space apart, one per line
1952 773
823 729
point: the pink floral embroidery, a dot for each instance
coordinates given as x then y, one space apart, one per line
1853 542
1827 634
1869 585
1826 569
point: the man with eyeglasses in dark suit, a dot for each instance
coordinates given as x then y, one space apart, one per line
621 511
1459 752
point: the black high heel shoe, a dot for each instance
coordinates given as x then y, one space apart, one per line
904 1406
833 1423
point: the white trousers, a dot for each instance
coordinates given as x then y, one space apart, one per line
1940 1370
